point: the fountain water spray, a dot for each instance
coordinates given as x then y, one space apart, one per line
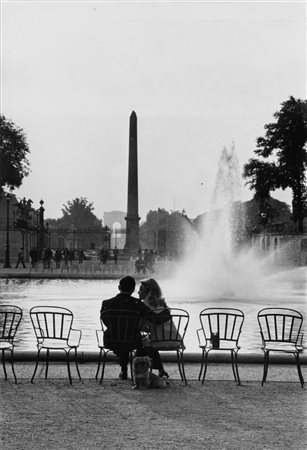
216 264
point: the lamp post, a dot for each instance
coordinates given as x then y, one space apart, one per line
115 237
7 264
37 234
48 234
41 227
263 217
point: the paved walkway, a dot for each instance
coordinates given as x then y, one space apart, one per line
51 414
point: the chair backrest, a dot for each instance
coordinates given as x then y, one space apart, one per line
51 322
10 317
122 326
226 322
172 330
280 324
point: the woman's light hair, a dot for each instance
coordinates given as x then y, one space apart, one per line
154 295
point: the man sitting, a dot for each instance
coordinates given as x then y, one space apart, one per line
125 301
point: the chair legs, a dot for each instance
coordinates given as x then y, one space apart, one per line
36 365
204 364
181 366
47 364
77 366
297 358
234 362
12 363
101 362
266 367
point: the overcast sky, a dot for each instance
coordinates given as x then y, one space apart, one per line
198 74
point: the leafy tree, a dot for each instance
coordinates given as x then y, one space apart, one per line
261 178
167 232
14 165
285 139
77 213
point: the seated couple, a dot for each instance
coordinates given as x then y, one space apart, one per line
150 298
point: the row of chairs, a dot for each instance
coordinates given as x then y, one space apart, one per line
280 330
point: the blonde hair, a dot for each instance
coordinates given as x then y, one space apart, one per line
154 293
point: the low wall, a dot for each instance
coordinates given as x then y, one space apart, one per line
215 357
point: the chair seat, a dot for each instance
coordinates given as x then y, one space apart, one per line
57 344
168 345
289 347
224 345
6 345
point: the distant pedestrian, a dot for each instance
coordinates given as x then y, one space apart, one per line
81 256
20 259
66 255
33 255
57 258
140 265
48 257
115 254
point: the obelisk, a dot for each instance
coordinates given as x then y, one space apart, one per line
132 220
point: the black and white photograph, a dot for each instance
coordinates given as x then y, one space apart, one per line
153 224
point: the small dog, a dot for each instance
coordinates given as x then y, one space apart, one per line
143 378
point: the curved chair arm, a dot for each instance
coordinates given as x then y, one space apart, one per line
74 338
262 339
201 337
99 334
300 340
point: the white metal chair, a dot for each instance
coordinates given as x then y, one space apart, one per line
53 330
220 331
10 317
280 330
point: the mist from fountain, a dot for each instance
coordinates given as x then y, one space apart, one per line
215 265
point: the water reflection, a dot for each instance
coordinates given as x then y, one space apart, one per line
84 297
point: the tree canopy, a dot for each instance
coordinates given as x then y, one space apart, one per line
285 141
14 165
77 213
167 232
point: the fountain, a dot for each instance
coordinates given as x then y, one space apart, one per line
217 265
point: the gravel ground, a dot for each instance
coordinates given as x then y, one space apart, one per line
51 414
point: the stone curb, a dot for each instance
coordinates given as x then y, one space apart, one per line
87 357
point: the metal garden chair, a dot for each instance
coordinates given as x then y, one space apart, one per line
10 317
168 336
220 331
122 329
53 330
280 330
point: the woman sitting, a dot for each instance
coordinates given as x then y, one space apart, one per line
163 335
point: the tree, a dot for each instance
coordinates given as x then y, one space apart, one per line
77 213
167 232
14 165
285 139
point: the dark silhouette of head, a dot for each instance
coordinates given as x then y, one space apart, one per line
127 285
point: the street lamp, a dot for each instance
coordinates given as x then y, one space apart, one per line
263 216
7 264
115 237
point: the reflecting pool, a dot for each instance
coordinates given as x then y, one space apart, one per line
284 288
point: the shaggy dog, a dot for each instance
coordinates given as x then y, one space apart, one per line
143 378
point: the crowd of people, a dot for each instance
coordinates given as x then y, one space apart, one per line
150 301
144 263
